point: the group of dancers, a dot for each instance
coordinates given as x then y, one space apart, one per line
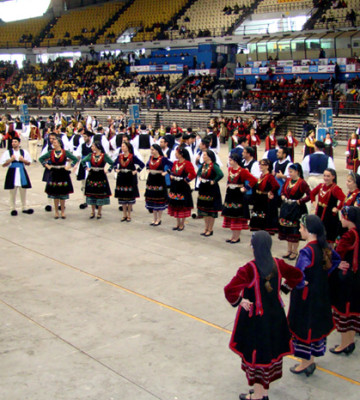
268 196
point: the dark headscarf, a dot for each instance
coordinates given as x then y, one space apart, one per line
234 156
211 155
314 225
297 167
158 149
261 243
352 214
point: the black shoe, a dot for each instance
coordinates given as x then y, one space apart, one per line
13 213
28 211
82 206
233 242
307 371
209 234
176 228
92 216
157 224
120 208
48 208
243 396
347 350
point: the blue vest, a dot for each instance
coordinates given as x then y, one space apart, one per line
272 155
318 163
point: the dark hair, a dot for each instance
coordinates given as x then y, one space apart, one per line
211 155
98 145
282 142
235 157
242 139
267 162
206 142
158 149
314 225
319 144
297 167
333 173
129 146
183 152
250 150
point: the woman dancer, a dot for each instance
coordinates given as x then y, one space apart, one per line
294 194
261 335
264 197
291 143
330 201
345 284
236 208
310 318
309 147
209 199
180 198
127 166
156 197
59 185
97 189
352 154
353 185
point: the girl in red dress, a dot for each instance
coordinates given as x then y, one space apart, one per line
180 198
236 208
352 154
291 143
254 141
330 200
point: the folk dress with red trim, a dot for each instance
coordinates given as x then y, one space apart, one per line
261 337
352 159
126 189
156 196
264 214
329 197
310 317
209 198
270 143
236 208
351 197
254 142
97 185
290 212
345 287
291 146
180 197
59 183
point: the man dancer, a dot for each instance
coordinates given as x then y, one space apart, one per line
17 177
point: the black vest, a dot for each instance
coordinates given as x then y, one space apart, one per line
144 141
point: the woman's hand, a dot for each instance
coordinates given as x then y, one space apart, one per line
164 173
134 172
344 266
246 304
212 182
335 210
270 195
47 166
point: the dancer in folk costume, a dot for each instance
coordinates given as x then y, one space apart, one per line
236 207
17 178
345 283
127 166
310 318
156 197
59 185
97 189
261 335
294 195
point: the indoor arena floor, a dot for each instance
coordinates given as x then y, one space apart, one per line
100 310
